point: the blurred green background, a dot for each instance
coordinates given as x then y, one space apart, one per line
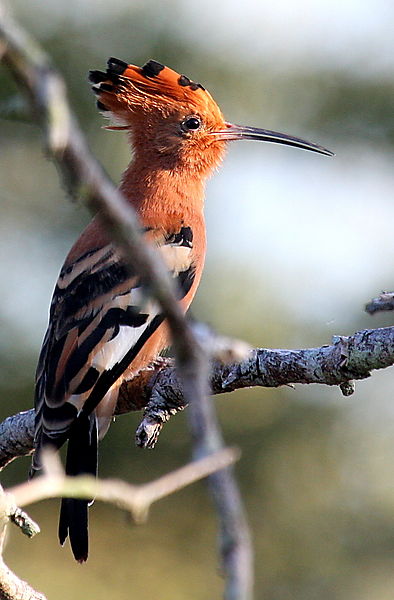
297 244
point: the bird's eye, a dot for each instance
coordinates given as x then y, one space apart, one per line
191 124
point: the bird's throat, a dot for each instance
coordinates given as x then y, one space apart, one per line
163 192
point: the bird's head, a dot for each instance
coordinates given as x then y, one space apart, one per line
174 122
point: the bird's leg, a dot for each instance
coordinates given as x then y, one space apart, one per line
165 401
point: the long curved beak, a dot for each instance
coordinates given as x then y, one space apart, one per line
238 132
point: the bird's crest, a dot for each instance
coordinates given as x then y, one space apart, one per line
126 89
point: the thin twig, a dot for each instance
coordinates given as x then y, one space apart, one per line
137 499
24 522
16 437
11 586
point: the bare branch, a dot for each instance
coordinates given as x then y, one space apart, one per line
347 359
16 437
11 587
14 588
158 389
24 522
136 499
383 302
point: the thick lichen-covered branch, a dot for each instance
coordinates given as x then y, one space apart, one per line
383 302
346 359
158 390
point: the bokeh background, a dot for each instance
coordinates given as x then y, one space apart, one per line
297 244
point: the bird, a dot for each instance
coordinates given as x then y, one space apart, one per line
102 330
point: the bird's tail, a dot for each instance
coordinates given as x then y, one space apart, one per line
81 459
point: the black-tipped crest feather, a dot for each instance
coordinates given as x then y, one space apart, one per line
97 76
116 66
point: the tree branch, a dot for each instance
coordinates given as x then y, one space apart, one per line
11 586
16 437
159 390
136 499
383 302
348 358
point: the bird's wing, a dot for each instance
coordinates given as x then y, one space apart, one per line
99 322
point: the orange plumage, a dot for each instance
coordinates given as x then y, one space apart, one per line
102 330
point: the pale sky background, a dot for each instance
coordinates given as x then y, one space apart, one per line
354 34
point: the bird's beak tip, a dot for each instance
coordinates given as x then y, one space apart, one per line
239 132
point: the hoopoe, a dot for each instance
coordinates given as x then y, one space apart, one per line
101 331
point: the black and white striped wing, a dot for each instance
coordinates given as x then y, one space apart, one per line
99 321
